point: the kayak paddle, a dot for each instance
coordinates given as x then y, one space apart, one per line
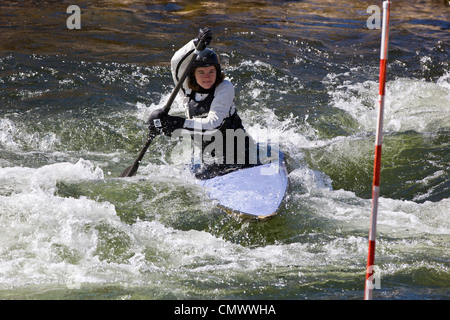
157 114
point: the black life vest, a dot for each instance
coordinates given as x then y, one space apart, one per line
199 109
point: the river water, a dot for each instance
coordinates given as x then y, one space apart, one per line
72 109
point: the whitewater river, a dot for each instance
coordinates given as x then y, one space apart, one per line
73 104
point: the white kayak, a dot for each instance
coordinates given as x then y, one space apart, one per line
256 191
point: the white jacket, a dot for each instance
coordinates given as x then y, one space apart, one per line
221 107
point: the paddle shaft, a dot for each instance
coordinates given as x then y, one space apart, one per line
131 170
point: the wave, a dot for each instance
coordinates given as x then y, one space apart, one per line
410 104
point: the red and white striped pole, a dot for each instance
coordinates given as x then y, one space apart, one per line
378 143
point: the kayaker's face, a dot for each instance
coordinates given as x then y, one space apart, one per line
206 76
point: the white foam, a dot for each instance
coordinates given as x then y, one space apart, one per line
46 177
51 239
410 104
55 240
396 218
14 137
143 111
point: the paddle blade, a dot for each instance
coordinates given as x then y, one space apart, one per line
130 171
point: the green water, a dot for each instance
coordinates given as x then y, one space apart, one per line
72 111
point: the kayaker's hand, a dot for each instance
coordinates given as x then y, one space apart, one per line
154 123
162 123
205 37
171 123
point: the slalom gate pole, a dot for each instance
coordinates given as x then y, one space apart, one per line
377 161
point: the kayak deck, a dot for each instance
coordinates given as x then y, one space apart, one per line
253 192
